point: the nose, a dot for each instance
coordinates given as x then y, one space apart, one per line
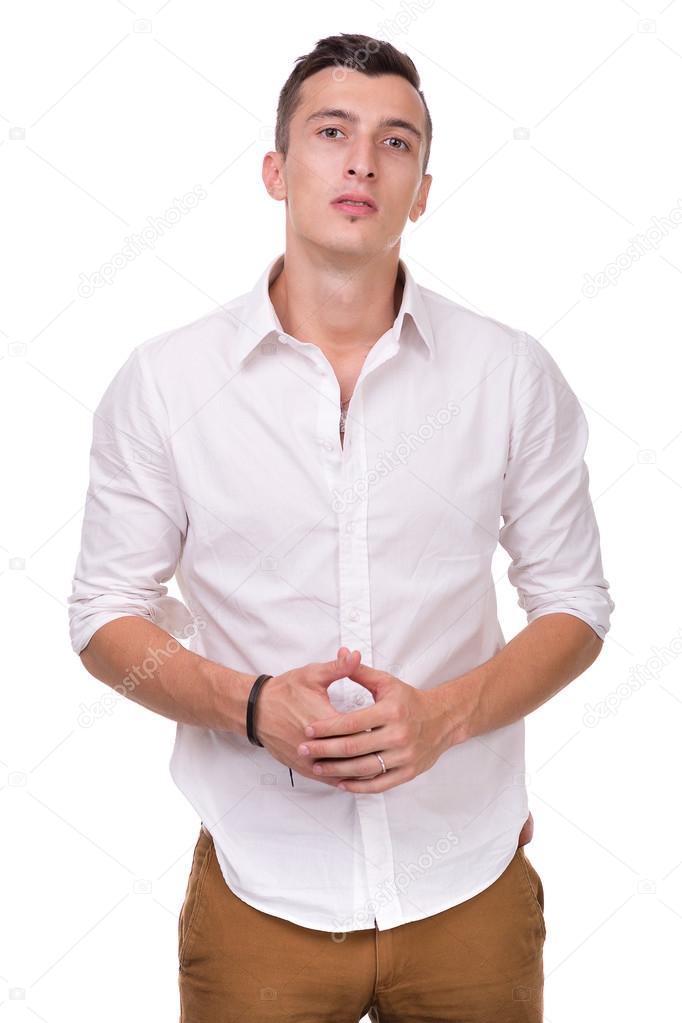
360 171
360 161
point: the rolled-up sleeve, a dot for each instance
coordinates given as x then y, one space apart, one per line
134 521
549 526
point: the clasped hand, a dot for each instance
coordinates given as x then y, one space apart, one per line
409 727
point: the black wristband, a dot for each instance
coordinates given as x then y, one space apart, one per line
251 706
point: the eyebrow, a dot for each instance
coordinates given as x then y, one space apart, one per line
350 116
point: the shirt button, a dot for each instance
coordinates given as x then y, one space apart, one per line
353 614
350 526
282 337
327 444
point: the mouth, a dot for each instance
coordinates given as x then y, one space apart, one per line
356 207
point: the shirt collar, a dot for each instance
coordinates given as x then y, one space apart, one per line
259 319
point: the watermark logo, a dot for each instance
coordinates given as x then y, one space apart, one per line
388 29
140 242
89 714
388 890
638 676
641 245
398 456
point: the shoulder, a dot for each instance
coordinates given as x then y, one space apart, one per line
213 329
457 327
197 348
473 335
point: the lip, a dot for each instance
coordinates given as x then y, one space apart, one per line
358 211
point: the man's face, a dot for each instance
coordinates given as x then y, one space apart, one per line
330 155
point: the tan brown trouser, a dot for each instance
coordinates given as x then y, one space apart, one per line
478 962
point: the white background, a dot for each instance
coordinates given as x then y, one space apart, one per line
556 143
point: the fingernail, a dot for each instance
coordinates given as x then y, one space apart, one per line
303 750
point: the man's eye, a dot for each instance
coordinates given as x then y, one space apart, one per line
393 138
396 139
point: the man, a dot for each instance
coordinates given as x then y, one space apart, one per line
324 463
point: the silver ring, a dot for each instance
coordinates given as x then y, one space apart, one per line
381 761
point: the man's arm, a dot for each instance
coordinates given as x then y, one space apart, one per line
123 623
534 666
551 533
148 665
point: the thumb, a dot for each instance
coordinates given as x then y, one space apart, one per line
344 662
370 678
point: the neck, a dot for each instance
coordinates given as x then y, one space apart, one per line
343 308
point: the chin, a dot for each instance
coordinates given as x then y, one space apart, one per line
359 246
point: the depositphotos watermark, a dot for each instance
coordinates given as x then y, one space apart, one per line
135 244
107 703
388 29
391 460
404 877
638 676
641 245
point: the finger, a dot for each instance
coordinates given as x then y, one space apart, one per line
348 723
329 671
381 783
355 767
359 744
331 780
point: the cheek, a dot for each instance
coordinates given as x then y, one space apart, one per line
310 187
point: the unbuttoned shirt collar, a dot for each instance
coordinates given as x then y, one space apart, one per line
258 318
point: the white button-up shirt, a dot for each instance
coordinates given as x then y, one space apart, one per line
216 456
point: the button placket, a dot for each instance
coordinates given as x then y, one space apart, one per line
345 469
356 632
354 606
327 426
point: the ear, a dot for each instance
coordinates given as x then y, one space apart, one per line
419 204
273 175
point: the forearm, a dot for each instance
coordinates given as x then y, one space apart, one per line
534 666
146 664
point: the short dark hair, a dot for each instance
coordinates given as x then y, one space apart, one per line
352 52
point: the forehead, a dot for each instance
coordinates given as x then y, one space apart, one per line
371 97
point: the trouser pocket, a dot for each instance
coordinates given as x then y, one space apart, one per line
535 888
192 905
